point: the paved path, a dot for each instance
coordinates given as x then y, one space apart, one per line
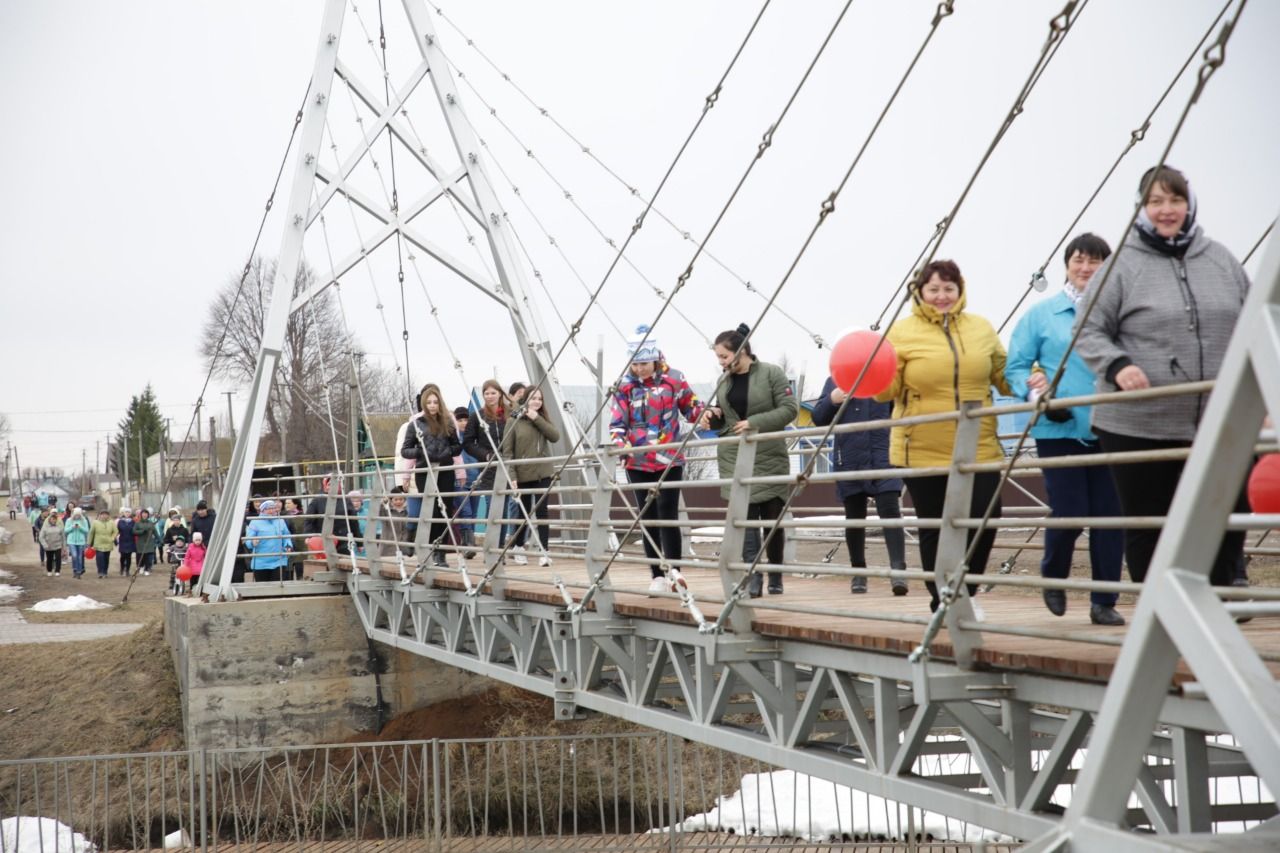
15 629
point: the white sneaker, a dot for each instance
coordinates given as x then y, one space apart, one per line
48 574
148 574
518 557
544 561
659 584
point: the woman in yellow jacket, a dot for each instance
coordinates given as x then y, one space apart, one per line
946 356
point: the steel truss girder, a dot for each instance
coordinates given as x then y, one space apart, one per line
674 678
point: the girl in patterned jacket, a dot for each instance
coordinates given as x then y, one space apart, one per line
647 408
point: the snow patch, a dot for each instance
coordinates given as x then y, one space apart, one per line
74 602
9 592
787 804
4 574
41 835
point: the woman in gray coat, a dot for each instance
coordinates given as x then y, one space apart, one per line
1169 302
756 396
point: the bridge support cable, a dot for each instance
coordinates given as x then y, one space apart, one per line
950 592
1136 136
761 149
589 152
1059 27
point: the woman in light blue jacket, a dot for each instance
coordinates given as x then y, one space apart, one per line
270 540
1040 339
77 530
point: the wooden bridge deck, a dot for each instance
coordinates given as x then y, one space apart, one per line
1003 606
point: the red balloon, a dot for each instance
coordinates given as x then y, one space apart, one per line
852 352
315 545
183 573
1264 485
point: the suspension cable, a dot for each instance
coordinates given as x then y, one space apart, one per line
630 188
762 147
1214 56
1137 135
1059 27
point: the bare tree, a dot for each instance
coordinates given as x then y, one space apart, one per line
311 361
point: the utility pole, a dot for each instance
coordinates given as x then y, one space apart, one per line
198 404
84 469
215 488
231 418
97 458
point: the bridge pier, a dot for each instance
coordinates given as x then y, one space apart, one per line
297 670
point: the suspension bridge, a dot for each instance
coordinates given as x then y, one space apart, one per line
1077 737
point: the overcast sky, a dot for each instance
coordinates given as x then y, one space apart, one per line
142 139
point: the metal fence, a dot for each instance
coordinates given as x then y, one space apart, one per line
622 792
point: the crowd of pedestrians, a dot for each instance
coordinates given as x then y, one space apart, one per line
141 540
1165 316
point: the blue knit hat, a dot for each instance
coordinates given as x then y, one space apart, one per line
646 351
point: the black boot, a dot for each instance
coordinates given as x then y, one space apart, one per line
775 583
439 559
755 587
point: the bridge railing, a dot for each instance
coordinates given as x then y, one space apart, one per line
480 548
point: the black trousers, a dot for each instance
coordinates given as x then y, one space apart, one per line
928 494
445 482
855 538
126 560
535 506
664 507
53 561
1146 488
768 510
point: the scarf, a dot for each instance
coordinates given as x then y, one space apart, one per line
1177 245
1076 296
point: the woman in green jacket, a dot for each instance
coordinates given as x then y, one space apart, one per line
525 446
753 395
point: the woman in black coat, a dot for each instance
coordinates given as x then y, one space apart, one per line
432 438
866 450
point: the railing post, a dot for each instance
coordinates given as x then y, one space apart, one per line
422 535
733 538
493 533
673 827
326 524
953 541
600 533
203 769
436 811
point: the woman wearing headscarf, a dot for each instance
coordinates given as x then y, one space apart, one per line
754 395
432 439
946 356
1168 302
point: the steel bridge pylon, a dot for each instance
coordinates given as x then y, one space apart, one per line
466 184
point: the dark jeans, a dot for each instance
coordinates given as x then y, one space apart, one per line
1085 492
1146 488
103 559
928 494
126 562
147 561
53 561
770 509
855 538
664 507
266 575
535 506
